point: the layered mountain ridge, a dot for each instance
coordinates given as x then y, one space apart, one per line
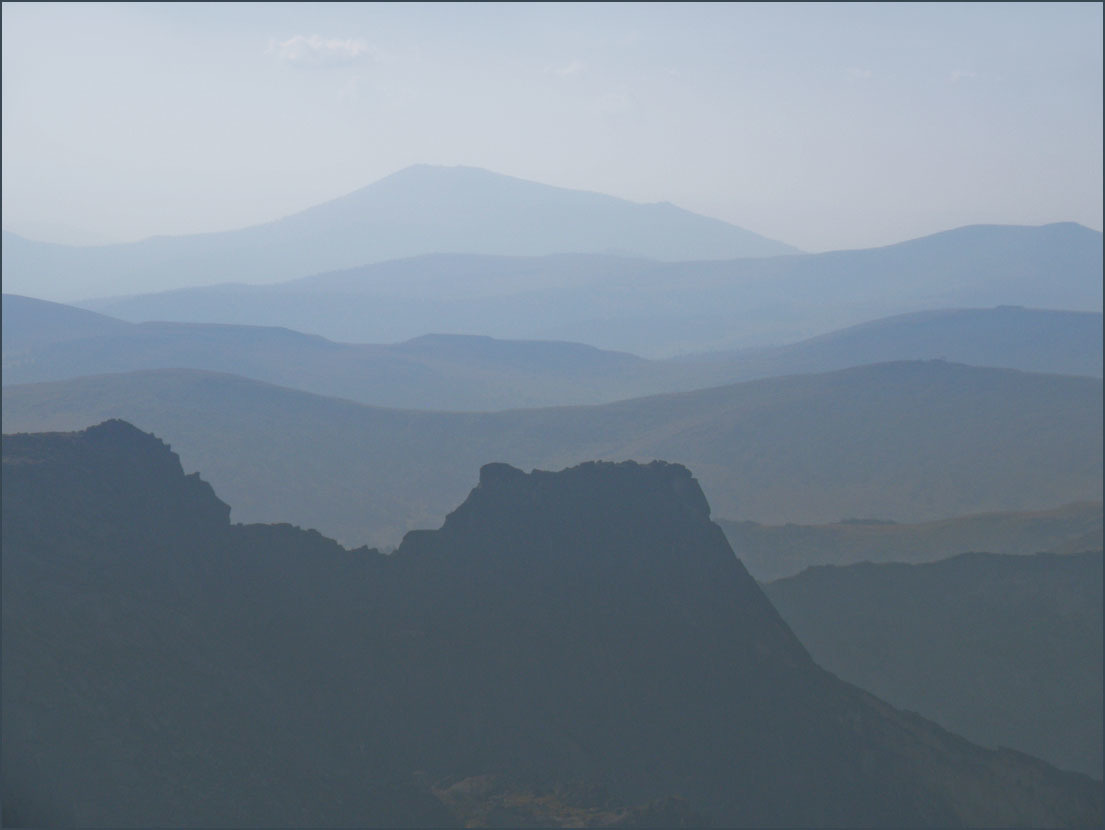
420 210
772 552
655 309
810 449
588 626
48 341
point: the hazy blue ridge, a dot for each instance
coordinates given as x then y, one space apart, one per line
420 210
773 552
656 309
45 341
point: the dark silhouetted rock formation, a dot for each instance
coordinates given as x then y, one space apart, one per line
583 643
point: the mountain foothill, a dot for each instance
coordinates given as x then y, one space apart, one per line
824 547
1005 650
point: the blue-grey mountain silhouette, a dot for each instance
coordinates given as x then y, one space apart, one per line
47 341
658 309
420 210
585 637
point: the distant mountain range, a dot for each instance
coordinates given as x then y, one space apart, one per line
1008 337
910 441
1006 650
776 551
568 649
656 309
419 210
46 341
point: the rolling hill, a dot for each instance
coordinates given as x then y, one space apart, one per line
910 441
1008 337
47 341
429 372
657 309
776 551
1005 650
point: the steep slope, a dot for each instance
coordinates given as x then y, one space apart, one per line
660 309
48 341
145 642
1006 650
419 210
776 551
589 626
903 441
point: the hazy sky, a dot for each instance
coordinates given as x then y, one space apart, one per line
825 126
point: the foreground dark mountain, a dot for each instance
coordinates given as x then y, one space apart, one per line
1003 649
48 341
658 309
776 551
419 210
586 634
903 441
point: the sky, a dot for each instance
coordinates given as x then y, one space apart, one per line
825 126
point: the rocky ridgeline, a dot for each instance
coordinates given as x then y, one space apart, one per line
569 648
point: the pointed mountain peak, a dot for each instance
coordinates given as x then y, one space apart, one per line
420 210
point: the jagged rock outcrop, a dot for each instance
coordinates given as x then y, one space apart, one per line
567 634
59 476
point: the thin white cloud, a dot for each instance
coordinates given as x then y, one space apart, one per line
861 74
957 75
317 51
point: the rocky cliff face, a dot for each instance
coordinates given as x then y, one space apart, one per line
113 480
574 647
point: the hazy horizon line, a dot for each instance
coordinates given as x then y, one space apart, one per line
67 235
